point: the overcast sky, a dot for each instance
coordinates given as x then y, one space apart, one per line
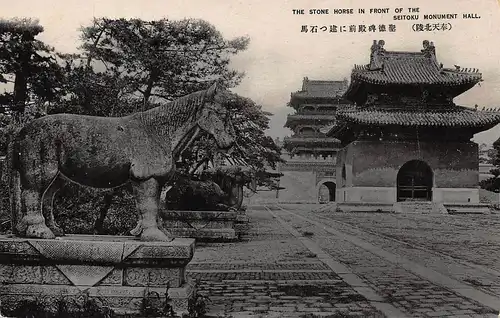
279 55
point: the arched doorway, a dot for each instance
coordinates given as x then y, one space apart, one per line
414 181
327 192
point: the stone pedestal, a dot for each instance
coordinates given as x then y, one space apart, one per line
201 225
119 273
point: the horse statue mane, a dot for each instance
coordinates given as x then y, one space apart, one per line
107 152
176 112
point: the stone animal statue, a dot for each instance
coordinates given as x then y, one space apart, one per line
217 189
196 195
107 152
232 179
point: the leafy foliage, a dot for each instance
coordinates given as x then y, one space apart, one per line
493 183
92 93
253 147
164 58
28 64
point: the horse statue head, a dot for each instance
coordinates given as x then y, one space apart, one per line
216 120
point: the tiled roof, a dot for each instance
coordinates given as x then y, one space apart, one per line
321 89
460 117
414 68
396 67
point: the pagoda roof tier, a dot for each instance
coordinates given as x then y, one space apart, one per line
456 117
318 90
310 141
314 150
409 68
294 120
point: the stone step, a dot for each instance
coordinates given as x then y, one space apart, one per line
367 207
420 207
468 208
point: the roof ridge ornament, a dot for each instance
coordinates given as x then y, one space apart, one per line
377 51
429 50
305 83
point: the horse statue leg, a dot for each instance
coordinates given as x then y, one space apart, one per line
48 204
147 198
37 173
33 223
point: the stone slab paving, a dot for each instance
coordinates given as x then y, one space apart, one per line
258 266
266 243
424 292
273 274
467 266
345 273
471 238
477 276
264 299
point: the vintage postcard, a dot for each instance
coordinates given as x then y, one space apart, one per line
216 158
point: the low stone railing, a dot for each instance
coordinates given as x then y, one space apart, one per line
221 226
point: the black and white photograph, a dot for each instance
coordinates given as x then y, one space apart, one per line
249 159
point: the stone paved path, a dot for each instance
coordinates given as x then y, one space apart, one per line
272 274
299 263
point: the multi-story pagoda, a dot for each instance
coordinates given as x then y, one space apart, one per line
405 138
315 106
309 171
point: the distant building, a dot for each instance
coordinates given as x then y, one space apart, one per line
309 171
405 138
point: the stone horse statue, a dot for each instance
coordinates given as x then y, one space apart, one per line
107 152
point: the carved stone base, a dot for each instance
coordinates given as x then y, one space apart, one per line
119 273
201 225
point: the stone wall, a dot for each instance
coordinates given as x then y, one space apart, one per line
300 186
261 197
377 163
455 195
344 167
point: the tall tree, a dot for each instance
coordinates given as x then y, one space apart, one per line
162 59
28 64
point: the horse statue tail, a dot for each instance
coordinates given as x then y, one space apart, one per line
12 173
